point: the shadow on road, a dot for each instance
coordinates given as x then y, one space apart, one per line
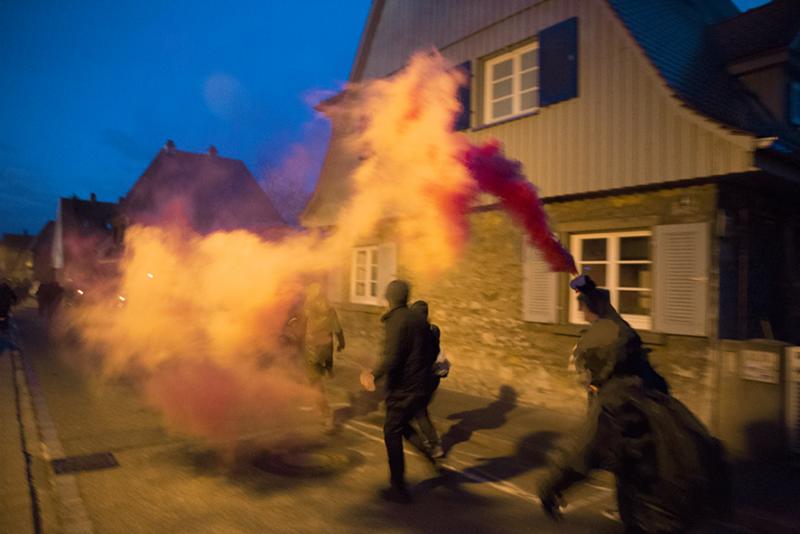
531 452
493 415
361 403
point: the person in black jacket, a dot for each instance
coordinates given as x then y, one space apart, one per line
670 472
406 369
430 438
610 344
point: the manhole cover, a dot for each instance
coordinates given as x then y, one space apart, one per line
87 462
308 462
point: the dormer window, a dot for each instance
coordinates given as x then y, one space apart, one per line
512 84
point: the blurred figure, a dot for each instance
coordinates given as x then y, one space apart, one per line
406 366
440 368
610 344
7 299
48 297
670 472
321 324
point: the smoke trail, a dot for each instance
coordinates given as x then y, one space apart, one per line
503 178
204 314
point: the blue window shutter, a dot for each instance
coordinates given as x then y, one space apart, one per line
558 62
462 121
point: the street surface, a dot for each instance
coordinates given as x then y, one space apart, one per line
298 479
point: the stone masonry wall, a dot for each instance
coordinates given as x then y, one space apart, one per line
478 305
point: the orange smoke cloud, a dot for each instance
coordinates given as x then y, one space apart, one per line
204 314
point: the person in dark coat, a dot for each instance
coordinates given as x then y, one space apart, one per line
8 298
610 344
321 324
439 370
406 369
670 471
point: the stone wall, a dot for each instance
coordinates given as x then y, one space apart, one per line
478 305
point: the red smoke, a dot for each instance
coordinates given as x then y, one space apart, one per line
502 177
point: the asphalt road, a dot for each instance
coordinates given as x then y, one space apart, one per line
311 482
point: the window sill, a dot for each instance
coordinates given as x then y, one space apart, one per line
574 330
504 121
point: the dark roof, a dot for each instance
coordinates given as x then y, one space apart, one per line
86 215
17 241
770 27
209 192
674 35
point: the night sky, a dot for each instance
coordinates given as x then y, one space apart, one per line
90 90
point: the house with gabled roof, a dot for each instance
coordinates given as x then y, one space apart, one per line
83 246
206 192
667 161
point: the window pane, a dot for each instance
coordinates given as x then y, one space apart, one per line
634 248
373 289
374 273
593 249
501 70
635 302
501 108
529 100
597 272
529 60
501 89
361 258
530 80
635 275
360 289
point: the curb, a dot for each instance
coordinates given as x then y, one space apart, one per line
71 511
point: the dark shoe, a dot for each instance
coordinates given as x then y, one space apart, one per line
396 494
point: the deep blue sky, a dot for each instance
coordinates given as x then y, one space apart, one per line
90 90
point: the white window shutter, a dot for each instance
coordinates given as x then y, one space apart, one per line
387 268
539 287
681 281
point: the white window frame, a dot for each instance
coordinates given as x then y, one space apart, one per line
372 276
612 262
516 77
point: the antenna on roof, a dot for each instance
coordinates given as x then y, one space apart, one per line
169 146
212 150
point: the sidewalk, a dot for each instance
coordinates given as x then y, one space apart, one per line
16 505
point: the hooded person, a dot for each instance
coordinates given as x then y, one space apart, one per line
440 368
320 323
670 472
609 345
405 367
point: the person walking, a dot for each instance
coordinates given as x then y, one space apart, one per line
321 324
440 368
670 472
406 369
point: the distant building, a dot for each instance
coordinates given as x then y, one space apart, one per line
663 138
83 245
206 192
42 249
16 258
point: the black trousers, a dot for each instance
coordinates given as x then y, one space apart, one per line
400 411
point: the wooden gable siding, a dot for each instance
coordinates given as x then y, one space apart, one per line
626 128
435 23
